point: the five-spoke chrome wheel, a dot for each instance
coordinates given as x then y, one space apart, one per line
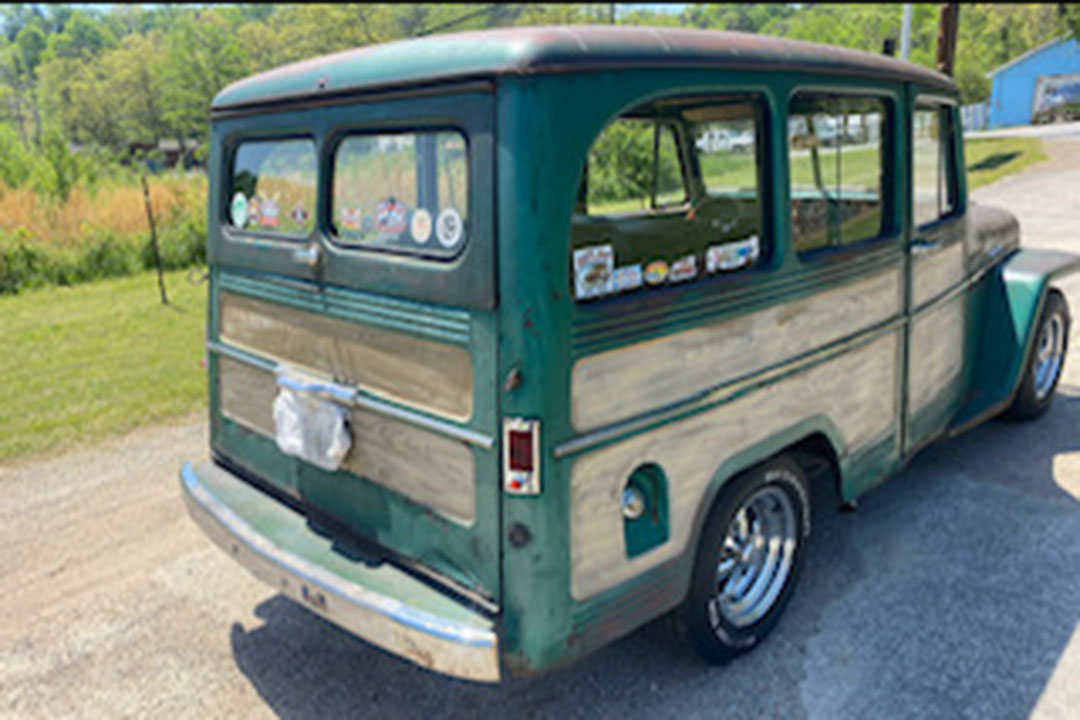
1049 354
757 556
748 560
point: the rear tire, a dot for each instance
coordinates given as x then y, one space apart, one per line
1045 361
748 561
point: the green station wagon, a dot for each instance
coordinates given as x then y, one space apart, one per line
519 339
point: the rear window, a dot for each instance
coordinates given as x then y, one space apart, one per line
406 192
273 187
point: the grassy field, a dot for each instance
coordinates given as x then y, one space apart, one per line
83 362
990 159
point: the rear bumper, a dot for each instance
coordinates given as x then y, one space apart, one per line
383 605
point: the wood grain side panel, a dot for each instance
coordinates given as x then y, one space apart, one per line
425 374
429 469
247 395
937 353
432 470
618 384
934 273
854 391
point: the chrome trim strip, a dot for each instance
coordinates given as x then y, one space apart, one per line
361 399
475 650
724 392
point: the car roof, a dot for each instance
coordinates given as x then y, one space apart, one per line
557 49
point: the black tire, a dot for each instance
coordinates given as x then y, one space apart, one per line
1033 397
700 622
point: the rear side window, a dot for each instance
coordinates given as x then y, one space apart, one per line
933 193
273 187
836 149
405 192
670 194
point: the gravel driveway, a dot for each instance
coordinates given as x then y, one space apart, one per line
953 592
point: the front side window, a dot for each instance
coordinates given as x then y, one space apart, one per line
933 167
669 195
835 150
273 187
406 192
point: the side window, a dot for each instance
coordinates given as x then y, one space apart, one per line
933 194
836 148
634 166
669 194
273 187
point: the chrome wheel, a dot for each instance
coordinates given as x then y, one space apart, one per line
1049 354
757 557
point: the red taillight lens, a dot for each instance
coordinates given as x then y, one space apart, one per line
521 450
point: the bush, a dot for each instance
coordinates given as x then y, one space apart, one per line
27 261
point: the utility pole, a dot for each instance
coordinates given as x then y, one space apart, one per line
905 33
946 40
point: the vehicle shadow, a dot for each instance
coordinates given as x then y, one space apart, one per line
950 593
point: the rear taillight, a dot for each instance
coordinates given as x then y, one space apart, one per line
521 456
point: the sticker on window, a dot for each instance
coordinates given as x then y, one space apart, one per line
732 256
593 270
683 269
627 277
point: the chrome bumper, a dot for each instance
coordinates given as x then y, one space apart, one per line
442 644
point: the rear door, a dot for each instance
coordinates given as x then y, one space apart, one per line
352 247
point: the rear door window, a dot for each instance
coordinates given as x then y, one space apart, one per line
404 192
273 187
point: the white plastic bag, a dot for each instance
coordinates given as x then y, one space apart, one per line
308 426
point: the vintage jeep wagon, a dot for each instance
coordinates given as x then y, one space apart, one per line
519 339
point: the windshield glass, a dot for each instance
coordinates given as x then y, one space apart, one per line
406 192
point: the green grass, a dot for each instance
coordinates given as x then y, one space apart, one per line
83 362
990 159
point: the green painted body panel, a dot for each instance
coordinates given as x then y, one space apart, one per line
1011 297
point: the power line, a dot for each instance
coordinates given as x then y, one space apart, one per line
467 16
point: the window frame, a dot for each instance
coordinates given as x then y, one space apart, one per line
332 145
889 230
944 105
244 234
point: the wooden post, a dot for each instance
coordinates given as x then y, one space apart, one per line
946 40
153 240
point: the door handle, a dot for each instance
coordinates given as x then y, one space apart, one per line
924 247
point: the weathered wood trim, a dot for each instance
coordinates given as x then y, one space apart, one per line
936 271
854 391
431 376
937 352
623 383
429 469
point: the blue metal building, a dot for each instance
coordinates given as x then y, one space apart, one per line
1035 83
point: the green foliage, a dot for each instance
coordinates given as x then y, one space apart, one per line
26 262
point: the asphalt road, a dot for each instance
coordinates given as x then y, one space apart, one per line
953 592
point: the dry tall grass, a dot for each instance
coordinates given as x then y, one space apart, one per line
116 208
